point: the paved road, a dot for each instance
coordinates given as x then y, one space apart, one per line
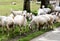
49 36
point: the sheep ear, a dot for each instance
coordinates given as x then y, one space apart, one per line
24 15
57 13
13 13
53 13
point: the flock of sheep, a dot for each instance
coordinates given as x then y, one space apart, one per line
20 18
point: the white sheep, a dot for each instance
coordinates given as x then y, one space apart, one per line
39 20
17 12
20 20
47 19
56 16
47 10
1 17
41 12
56 8
29 15
6 21
11 15
13 3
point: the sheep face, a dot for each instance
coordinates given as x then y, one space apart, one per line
32 25
30 16
57 17
11 15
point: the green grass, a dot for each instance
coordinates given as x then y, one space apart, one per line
57 24
32 35
5 6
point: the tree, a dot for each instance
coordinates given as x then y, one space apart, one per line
38 0
45 3
59 2
26 5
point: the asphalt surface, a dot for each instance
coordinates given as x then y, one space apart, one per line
49 36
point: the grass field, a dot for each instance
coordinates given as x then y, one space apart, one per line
5 6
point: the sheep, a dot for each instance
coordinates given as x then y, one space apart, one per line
39 21
47 10
18 12
1 17
49 18
44 11
20 20
53 19
29 15
56 16
55 8
25 12
11 15
13 3
6 21
46 19
41 12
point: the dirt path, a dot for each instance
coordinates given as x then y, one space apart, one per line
49 36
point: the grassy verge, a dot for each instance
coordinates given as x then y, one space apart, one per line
28 37
57 24
35 34
32 35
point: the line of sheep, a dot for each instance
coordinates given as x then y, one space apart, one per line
20 18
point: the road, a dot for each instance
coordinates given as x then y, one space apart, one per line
49 36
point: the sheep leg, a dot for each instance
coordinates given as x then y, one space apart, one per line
45 26
13 27
20 30
50 24
2 30
8 29
35 27
38 27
